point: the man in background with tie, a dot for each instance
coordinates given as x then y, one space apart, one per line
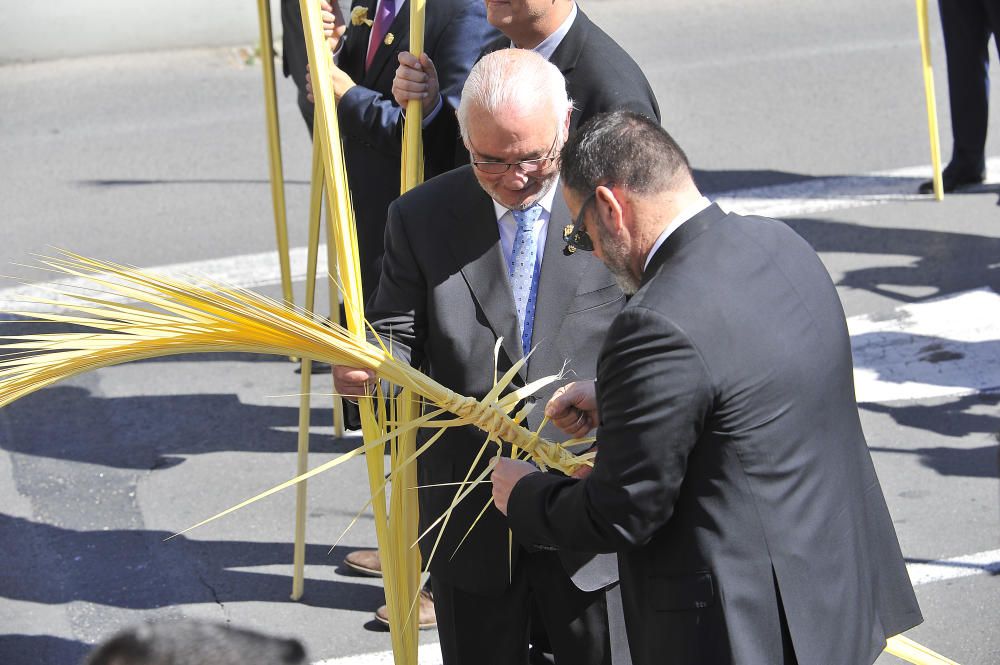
365 52
473 256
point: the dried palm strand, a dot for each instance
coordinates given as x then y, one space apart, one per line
911 652
199 315
275 170
923 33
373 420
174 317
305 407
402 586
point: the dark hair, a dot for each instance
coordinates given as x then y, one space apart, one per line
625 148
195 643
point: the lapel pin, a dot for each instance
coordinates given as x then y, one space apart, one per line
567 233
389 39
359 16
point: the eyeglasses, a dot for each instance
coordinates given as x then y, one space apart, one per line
575 234
526 166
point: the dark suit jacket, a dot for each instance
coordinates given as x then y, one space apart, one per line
371 123
600 77
444 300
732 475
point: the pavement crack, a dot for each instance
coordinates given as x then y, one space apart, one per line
215 597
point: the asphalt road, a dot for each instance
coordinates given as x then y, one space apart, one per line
812 111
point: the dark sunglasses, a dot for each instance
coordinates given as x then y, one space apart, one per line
575 234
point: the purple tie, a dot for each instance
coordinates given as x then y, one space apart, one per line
383 19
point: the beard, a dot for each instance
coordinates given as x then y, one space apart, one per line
615 256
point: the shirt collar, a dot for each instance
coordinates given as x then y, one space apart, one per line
683 216
552 42
546 202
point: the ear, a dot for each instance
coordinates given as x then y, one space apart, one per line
611 209
569 116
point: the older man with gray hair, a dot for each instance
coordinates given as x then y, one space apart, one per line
472 257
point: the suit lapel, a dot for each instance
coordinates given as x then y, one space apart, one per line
555 283
400 30
568 52
684 234
475 226
352 58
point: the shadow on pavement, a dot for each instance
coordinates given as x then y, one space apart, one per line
949 419
713 182
946 261
152 432
31 649
135 569
952 419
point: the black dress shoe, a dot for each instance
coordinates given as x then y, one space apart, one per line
949 182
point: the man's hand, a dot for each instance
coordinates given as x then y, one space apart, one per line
334 28
416 79
341 83
334 25
353 382
573 408
505 475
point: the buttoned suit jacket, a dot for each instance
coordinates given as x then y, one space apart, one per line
371 122
444 300
732 474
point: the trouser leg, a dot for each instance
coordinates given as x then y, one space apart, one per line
482 630
575 621
966 39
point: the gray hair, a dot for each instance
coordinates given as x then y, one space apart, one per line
513 78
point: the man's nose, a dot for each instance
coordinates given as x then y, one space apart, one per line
515 178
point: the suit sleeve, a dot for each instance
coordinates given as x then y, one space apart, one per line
454 49
397 310
623 93
654 397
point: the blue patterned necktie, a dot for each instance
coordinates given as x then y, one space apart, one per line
523 276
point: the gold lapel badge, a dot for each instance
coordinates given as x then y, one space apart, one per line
359 15
389 39
567 234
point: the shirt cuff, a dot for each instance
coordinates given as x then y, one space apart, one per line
429 116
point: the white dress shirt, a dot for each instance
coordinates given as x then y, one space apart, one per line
552 42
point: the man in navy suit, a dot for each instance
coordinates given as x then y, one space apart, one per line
455 32
732 475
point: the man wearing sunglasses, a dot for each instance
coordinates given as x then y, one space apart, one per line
472 257
732 475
